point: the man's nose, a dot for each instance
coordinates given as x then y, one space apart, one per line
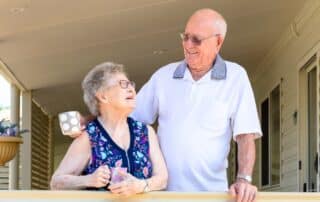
188 44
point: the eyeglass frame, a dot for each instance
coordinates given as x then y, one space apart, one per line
124 84
195 39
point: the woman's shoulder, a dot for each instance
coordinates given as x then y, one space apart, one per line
138 127
136 123
91 127
147 129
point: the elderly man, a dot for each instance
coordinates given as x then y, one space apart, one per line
201 103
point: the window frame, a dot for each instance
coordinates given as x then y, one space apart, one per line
268 97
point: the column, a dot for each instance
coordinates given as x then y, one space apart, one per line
26 146
14 116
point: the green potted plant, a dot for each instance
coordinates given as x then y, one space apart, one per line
9 140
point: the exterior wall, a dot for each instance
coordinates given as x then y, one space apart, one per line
282 65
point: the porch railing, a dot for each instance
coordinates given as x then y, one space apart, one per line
43 196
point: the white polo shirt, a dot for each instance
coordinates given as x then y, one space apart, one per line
197 120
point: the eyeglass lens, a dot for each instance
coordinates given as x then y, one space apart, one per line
194 39
124 84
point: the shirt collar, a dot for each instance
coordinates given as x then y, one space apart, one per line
218 72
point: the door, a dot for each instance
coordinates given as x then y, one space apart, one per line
309 127
312 150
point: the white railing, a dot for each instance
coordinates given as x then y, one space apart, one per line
43 196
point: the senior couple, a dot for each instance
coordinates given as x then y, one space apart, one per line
201 103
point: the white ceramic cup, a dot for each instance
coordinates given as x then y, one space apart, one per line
69 122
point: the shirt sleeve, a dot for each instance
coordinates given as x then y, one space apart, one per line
146 110
245 117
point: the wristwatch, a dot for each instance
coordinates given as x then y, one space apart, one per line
247 178
146 187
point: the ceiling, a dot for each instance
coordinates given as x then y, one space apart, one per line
50 45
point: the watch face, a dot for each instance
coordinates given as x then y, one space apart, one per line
248 178
245 177
147 189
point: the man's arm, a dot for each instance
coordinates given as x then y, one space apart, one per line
246 153
242 188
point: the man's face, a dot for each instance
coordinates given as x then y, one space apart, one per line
200 56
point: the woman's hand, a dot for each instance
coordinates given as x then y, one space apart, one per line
100 177
131 185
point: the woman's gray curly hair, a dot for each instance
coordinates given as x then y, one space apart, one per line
97 79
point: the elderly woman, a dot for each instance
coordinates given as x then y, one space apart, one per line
112 140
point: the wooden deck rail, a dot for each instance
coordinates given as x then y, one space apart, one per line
83 196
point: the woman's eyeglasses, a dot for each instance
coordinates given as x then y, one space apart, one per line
125 84
195 39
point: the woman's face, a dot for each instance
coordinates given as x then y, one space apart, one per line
119 94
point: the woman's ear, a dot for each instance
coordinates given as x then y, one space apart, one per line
101 97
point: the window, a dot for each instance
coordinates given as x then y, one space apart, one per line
270 142
5 99
265 142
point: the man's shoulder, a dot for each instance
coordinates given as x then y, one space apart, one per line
235 69
167 70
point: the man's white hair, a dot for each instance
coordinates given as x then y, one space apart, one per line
221 25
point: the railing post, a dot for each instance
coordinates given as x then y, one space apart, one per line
26 146
15 118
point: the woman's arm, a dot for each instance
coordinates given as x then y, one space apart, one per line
68 174
159 177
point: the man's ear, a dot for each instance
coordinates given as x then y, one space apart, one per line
101 97
219 43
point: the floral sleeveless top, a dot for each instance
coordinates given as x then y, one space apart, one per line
104 151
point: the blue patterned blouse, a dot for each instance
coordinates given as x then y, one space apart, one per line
104 151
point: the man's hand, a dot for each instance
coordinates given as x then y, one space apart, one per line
243 191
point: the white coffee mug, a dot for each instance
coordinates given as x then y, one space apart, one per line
69 122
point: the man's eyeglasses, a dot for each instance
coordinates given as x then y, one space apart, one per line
195 39
125 84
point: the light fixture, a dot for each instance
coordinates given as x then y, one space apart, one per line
17 10
158 52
